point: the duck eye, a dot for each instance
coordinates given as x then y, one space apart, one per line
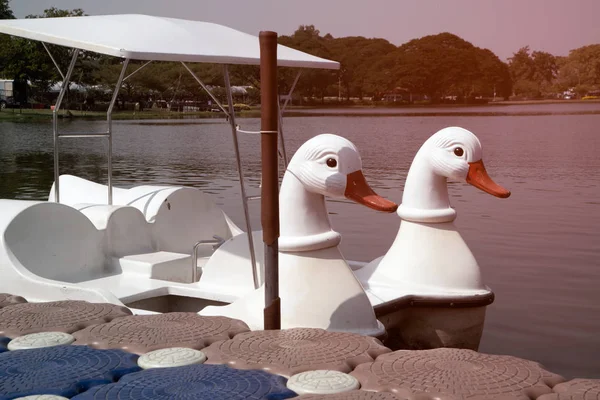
331 162
459 151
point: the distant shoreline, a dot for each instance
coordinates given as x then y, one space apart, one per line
28 115
554 101
449 105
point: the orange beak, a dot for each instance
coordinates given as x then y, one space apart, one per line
358 190
479 178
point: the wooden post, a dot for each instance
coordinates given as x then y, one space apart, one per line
270 176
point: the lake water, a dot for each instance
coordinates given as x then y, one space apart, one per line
539 249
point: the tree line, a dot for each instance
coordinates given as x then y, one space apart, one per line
433 68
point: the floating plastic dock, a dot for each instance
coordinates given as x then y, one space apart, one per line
101 351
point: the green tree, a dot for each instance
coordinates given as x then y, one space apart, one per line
495 77
580 69
27 60
5 11
314 83
521 64
86 62
532 74
355 55
545 67
54 12
438 66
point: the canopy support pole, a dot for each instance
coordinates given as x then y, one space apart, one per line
270 176
280 120
280 112
291 91
63 90
136 71
241 173
54 61
109 132
210 93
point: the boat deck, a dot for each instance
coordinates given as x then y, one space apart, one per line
128 289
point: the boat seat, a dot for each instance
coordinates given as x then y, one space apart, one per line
125 228
75 190
130 247
55 242
178 216
162 265
184 216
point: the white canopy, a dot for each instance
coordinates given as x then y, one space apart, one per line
144 37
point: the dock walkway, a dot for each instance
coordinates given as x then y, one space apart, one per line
81 350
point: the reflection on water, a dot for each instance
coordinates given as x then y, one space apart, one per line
539 249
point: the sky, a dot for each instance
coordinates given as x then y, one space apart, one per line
503 26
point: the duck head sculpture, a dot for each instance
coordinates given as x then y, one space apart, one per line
326 165
317 287
451 153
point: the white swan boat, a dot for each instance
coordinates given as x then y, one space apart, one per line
429 265
170 248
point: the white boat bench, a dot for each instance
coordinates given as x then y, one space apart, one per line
163 265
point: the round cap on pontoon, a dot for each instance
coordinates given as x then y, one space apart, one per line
171 357
39 340
322 382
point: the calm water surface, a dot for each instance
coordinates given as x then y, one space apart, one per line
539 249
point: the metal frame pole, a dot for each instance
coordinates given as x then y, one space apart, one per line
291 91
280 112
270 176
63 90
241 174
280 120
109 132
137 70
53 60
208 91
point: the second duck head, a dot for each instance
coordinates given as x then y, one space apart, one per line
451 153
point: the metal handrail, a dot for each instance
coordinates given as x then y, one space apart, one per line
63 90
83 135
218 241
281 151
75 135
237 127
